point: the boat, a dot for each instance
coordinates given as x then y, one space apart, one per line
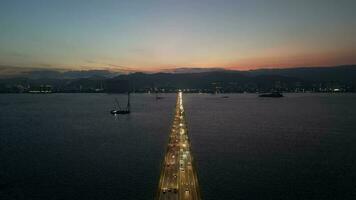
158 97
120 111
272 94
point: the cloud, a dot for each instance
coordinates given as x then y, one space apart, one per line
110 66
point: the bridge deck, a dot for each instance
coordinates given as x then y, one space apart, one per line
178 178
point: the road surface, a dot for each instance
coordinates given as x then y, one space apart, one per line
178 178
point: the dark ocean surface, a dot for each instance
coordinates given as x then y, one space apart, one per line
68 146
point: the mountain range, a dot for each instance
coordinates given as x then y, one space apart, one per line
322 79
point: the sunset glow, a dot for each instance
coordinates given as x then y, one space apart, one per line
158 35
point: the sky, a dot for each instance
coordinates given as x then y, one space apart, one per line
144 35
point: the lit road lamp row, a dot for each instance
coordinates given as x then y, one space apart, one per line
178 178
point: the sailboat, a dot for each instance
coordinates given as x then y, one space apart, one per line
122 111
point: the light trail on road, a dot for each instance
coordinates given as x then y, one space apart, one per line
178 179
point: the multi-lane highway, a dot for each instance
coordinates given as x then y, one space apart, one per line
178 178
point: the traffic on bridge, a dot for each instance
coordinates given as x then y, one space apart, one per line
178 178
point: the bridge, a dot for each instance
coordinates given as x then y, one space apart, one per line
178 179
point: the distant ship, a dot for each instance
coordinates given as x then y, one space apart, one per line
158 97
122 111
272 94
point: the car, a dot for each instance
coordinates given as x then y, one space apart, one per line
164 190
